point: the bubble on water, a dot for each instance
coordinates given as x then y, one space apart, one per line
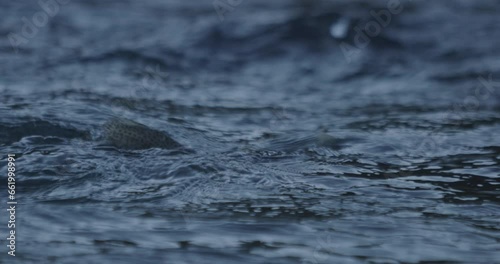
340 28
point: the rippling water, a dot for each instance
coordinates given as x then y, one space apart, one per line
311 131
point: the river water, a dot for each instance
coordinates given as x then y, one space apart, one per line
312 131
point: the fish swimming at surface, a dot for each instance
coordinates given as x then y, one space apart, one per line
127 134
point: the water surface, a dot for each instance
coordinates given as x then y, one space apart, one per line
292 151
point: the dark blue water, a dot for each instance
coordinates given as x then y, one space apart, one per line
312 131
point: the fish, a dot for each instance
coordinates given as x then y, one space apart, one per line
127 134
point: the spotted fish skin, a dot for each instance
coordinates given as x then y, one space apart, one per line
127 134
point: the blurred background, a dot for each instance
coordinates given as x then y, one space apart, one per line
348 131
